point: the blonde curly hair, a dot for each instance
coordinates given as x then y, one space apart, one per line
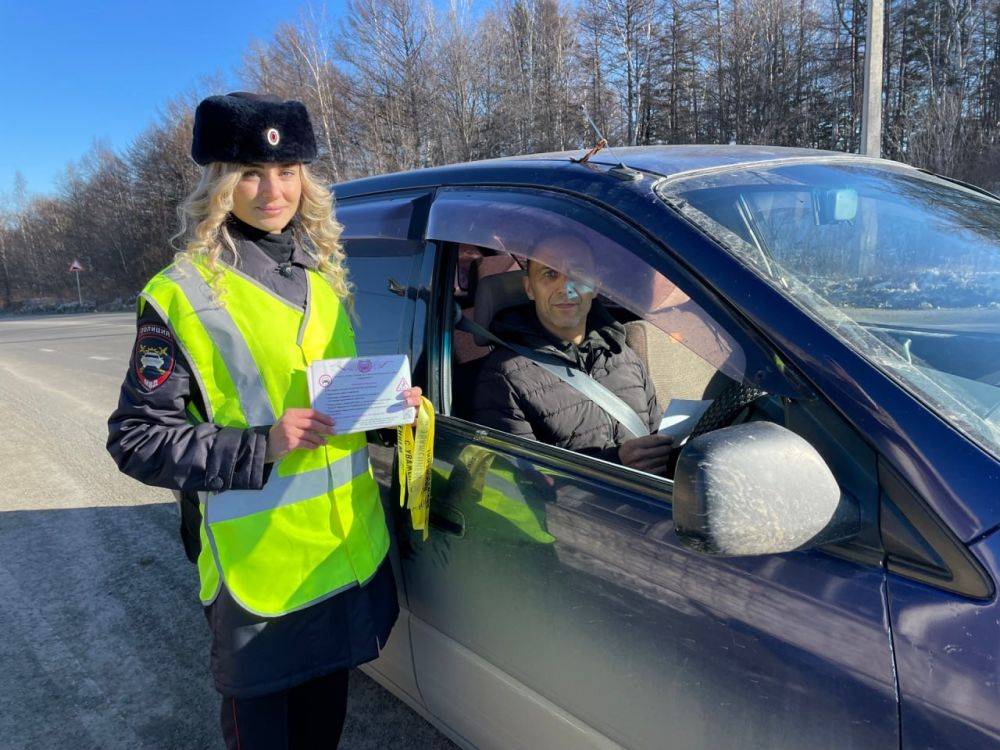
203 217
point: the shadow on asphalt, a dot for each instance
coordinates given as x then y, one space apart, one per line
104 644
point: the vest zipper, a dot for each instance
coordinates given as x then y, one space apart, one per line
306 313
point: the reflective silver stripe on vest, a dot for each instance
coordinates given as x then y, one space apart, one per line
230 343
280 490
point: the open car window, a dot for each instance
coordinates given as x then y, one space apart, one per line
579 242
489 237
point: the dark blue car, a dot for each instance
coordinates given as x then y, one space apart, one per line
820 569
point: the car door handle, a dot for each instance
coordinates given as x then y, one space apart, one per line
449 519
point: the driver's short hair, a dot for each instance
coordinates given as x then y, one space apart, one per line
569 235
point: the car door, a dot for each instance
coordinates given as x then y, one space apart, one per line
382 239
573 617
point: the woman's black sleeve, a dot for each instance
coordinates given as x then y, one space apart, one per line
151 435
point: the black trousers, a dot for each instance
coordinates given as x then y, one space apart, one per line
309 716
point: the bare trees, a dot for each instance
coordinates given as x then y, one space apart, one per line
623 33
400 84
943 93
162 173
459 66
384 46
534 87
299 64
114 212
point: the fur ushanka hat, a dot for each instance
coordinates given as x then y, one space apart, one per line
245 128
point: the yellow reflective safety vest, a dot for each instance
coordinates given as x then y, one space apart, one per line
316 527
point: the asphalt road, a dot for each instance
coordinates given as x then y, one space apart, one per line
102 639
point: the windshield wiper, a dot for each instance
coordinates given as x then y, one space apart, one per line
760 244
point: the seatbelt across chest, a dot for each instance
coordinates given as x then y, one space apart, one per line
581 381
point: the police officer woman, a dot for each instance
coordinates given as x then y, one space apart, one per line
282 517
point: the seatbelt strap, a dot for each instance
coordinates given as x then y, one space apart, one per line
581 381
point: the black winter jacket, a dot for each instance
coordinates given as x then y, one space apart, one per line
517 396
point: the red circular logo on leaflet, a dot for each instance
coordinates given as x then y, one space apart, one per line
324 381
365 365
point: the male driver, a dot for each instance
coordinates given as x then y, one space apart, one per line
563 322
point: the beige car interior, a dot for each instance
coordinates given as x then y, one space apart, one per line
493 283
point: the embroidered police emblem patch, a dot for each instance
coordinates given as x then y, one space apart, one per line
154 356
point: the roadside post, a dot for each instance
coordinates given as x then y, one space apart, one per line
871 110
76 267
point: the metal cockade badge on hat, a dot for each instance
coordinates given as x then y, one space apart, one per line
273 136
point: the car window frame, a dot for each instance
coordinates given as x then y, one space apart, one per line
650 489
438 337
409 208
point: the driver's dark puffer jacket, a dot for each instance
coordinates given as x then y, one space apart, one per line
517 396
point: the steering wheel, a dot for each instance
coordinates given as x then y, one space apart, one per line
733 399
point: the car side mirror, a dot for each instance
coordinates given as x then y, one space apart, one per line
757 489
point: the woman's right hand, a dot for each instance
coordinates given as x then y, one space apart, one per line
297 428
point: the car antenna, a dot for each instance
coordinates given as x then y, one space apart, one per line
620 171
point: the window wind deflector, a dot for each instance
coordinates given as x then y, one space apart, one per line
389 217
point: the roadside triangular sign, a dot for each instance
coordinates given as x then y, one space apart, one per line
76 266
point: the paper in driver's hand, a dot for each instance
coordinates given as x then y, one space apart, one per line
362 393
681 416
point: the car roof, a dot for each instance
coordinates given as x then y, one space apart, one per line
659 160
671 160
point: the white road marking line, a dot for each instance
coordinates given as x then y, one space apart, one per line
50 351
101 359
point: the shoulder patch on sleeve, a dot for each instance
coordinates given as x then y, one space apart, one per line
154 355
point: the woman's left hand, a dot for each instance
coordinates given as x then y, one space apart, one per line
412 398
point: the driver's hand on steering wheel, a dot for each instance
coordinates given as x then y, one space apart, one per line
649 453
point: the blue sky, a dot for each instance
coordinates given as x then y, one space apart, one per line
73 73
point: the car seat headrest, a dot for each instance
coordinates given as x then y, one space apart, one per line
496 293
488 265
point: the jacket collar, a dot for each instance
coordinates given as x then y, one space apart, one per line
261 250
520 325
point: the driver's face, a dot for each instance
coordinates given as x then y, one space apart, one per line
561 303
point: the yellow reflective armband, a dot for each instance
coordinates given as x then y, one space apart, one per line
416 455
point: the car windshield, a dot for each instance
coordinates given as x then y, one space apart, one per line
902 265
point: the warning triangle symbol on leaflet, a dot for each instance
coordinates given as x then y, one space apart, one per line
401 385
